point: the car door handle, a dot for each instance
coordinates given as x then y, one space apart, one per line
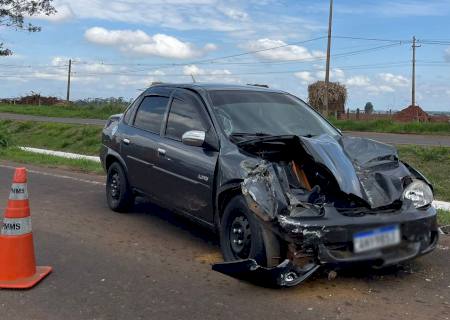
126 141
161 152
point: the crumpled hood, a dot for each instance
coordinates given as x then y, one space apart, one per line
362 167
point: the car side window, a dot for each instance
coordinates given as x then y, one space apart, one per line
150 114
184 116
129 111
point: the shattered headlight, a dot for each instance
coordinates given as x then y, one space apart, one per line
419 193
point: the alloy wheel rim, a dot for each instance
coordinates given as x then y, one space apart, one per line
240 237
114 186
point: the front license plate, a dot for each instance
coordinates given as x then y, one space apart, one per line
376 238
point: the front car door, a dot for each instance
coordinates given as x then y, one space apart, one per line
188 171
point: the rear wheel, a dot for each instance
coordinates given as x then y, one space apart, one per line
118 192
243 237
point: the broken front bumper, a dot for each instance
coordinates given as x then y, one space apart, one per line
330 237
328 240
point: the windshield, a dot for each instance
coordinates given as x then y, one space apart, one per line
246 112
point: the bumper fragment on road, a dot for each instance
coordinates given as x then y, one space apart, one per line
286 274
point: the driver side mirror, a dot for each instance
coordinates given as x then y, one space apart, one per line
194 138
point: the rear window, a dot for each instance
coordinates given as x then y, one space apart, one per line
150 113
130 110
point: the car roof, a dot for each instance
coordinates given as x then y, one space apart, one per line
214 86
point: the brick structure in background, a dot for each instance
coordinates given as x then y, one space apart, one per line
414 113
411 113
408 114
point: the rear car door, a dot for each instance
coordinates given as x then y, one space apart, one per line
140 142
188 170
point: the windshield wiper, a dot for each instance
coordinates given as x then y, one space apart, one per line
250 134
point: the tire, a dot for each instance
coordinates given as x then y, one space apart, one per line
118 192
238 223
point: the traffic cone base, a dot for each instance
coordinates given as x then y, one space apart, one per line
26 283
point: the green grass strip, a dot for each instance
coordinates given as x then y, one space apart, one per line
443 217
433 163
82 139
389 126
17 155
70 111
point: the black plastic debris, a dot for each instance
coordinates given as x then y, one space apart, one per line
286 274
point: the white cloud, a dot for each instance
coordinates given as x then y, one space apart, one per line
103 36
292 52
397 8
381 83
98 68
59 61
174 14
335 75
447 55
207 75
234 14
306 76
194 70
240 19
63 13
210 47
394 80
139 42
380 88
358 81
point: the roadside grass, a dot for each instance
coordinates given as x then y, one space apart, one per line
443 217
83 139
389 126
433 163
69 111
17 155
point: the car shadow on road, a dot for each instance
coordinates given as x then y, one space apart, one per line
146 207
181 225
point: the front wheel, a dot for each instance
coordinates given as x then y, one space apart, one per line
242 236
118 193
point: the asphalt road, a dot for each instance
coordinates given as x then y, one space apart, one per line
151 264
393 138
397 138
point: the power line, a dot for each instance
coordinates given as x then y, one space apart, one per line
372 39
309 59
344 68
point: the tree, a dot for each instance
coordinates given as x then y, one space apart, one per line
368 108
14 12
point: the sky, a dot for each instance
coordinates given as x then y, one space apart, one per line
118 48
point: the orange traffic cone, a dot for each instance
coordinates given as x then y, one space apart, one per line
17 261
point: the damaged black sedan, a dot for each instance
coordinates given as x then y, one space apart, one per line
286 191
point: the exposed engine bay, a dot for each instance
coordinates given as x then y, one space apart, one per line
316 193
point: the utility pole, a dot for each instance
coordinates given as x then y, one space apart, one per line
68 81
413 82
327 71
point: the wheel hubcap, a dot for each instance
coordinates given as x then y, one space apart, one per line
114 185
240 237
